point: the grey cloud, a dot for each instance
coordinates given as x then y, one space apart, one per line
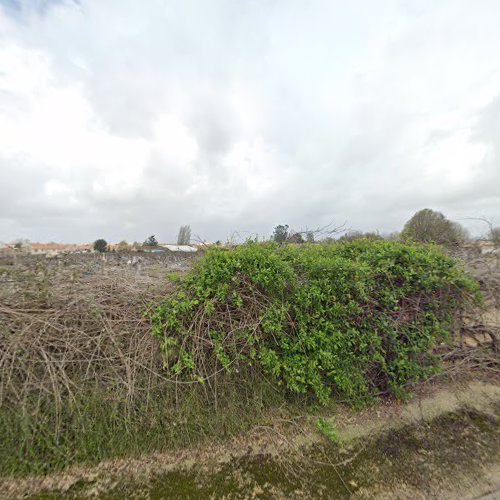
337 109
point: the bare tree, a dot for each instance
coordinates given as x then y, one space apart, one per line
493 232
184 236
327 232
356 235
495 235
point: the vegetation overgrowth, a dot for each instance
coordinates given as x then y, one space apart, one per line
81 375
82 379
355 318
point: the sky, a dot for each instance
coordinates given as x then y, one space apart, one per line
125 118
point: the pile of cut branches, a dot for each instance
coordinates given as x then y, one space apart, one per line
63 330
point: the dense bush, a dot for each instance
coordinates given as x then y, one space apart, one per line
100 245
356 317
430 226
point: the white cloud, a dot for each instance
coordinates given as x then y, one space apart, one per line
128 118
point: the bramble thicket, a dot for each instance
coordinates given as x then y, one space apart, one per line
353 318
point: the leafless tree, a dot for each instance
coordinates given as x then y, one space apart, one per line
328 231
493 233
184 237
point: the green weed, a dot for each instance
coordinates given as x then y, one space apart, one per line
99 425
327 429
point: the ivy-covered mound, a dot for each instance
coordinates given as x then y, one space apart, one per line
356 318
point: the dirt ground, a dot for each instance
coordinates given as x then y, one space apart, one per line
443 443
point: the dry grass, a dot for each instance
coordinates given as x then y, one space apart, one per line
81 375
60 330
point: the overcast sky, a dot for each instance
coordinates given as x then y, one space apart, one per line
122 118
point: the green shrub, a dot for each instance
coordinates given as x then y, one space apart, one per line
358 317
328 430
